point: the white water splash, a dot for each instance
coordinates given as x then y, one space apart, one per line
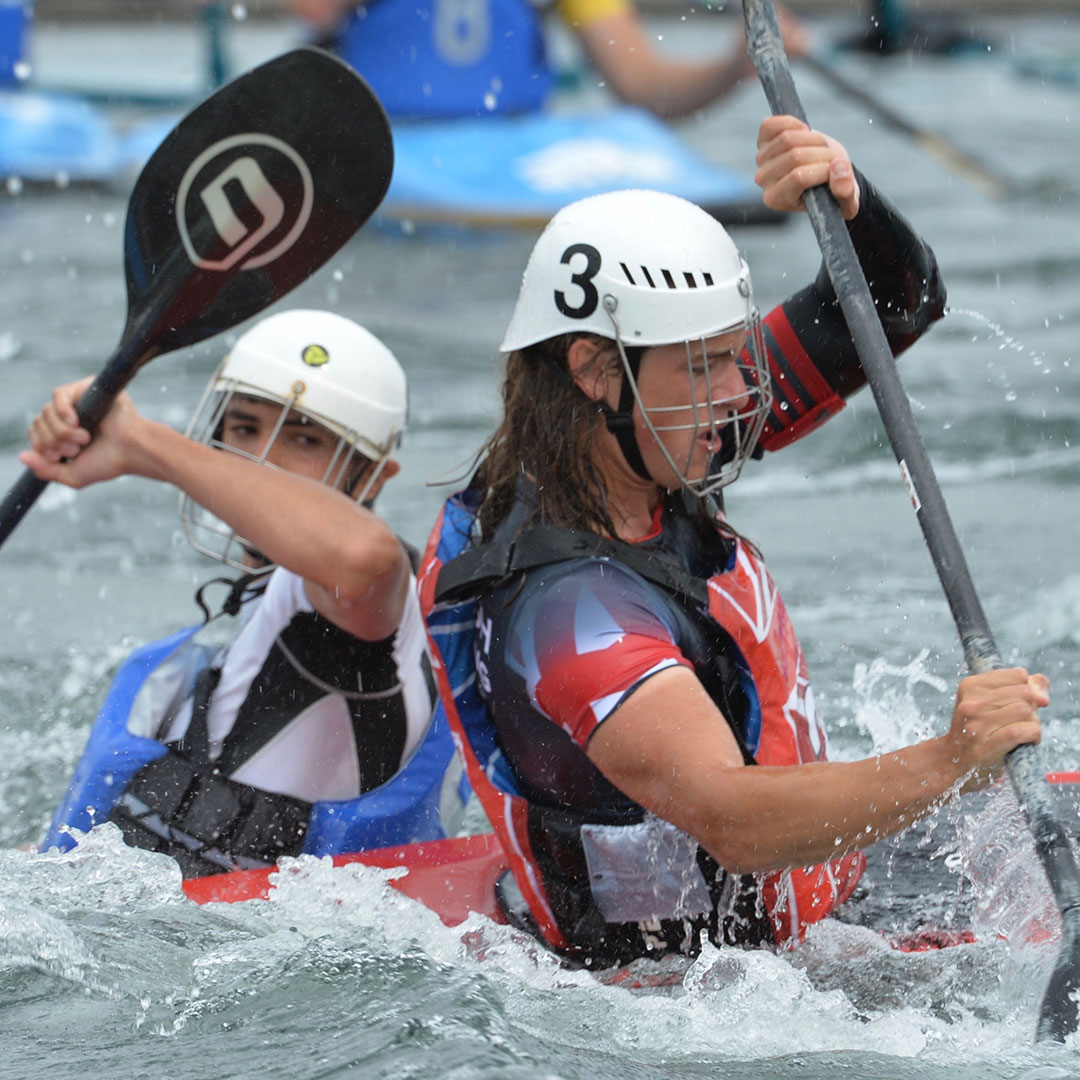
884 700
114 921
1005 341
996 852
731 1005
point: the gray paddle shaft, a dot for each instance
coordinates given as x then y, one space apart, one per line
1058 1016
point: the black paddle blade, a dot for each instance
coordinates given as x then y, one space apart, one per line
246 198
250 194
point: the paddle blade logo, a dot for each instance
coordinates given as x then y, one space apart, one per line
243 202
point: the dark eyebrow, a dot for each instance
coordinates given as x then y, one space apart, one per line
294 419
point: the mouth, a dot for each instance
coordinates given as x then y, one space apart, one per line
712 440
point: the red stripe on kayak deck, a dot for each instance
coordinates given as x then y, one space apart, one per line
453 877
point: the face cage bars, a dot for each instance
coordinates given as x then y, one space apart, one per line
205 425
745 426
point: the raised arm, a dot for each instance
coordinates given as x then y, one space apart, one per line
619 45
355 569
812 358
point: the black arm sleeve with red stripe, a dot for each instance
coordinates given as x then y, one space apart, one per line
812 358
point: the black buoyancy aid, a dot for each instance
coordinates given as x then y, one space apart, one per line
184 803
741 645
181 804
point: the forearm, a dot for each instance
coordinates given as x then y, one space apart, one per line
904 281
813 364
673 90
761 818
313 530
668 748
636 73
756 817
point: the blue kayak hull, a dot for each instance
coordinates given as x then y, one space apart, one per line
490 171
520 170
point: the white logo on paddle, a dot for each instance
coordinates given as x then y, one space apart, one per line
241 204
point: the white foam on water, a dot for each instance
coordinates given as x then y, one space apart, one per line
35 940
839 478
1052 615
113 922
844 992
731 1005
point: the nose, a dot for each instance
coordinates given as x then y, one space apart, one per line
728 385
271 452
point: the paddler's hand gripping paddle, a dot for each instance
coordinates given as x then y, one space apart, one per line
1058 1016
246 198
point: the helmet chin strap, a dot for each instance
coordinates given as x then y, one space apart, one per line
620 421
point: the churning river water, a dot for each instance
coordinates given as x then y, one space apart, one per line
106 970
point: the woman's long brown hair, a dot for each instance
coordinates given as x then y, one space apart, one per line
547 432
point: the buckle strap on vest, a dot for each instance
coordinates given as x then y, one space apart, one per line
195 742
205 821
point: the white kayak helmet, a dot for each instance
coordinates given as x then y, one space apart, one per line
645 268
325 368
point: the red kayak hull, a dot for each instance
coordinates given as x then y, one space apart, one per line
456 878
453 877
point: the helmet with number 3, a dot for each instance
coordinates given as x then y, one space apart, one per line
645 268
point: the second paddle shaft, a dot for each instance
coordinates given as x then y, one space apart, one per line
980 650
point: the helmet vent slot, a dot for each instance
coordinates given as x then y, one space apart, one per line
669 278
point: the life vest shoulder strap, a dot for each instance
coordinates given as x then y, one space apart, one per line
482 568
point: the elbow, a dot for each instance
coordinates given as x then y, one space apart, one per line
652 98
935 293
904 326
635 84
372 566
740 855
633 92
744 846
